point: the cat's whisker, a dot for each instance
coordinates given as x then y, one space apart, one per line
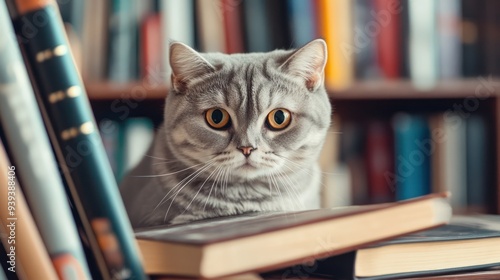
219 169
278 190
177 185
199 189
292 186
182 187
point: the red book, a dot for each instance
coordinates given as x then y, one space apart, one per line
388 22
379 162
232 26
151 48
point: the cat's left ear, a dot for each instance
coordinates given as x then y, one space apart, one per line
308 64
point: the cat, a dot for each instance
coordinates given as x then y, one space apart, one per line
241 133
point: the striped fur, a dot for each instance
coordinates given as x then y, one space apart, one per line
193 171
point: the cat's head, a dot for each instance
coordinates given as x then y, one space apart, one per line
253 114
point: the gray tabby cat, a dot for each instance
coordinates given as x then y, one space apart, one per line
242 133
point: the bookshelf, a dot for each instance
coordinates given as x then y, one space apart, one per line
361 101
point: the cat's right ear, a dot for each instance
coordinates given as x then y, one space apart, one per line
186 64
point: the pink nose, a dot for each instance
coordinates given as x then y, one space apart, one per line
246 150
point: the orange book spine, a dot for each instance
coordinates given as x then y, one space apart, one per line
335 24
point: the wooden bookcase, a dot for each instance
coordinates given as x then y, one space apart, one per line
361 101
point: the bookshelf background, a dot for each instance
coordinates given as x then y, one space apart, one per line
382 79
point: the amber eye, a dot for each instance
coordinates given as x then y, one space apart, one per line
217 118
279 119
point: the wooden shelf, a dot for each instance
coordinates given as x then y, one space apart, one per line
134 90
365 90
404 89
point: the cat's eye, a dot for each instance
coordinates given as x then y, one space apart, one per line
279 119
218 118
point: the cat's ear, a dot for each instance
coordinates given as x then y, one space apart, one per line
186 64
308 64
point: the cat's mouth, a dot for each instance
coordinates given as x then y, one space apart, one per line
248 165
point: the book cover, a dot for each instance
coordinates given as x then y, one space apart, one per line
27 252
412 157
150 48
278 24
266 241
80 153
25 135
471 24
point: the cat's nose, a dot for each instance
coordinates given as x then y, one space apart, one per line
246 150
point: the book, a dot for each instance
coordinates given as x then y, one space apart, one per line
122 31
24 133
335 26
366 66
463 245
388 38
256 26
150 48
491 43
302 23
449 32
233 26
478 165
177 24
94 40
68 118
278 24
412 156
379 160
263 241
210 25
471 24
27 253
423 48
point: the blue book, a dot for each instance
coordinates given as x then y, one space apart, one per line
412 156
302 20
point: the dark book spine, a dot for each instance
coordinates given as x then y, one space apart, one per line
73 132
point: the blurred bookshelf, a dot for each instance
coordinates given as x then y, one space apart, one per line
390 65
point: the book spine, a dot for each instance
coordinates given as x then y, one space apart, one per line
412 156
302 22
423 43
122 65
78 147
388 46
26 249
450 49
177 24
233 26
31 152
257 33
335 21
364 19
210 24
478 177
379 161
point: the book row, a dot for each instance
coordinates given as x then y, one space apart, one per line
411 155
424 40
